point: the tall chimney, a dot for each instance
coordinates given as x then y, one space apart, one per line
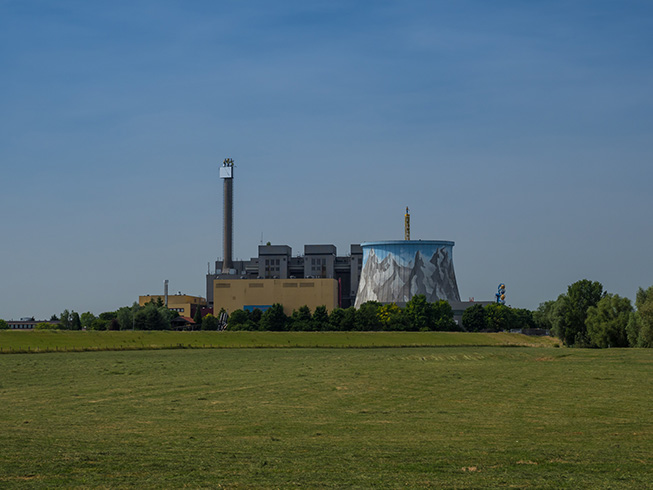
165 291
227 174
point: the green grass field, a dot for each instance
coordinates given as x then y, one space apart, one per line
62 340
446 417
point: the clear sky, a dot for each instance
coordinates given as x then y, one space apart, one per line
523 131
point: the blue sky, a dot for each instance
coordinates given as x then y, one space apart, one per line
519 130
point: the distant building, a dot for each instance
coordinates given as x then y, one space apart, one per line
28 323
459 307
184 304
250 294
388 271
275 276
276 263
183 323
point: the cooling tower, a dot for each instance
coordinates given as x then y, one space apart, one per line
395 271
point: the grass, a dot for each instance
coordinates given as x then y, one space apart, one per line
61 340
455 417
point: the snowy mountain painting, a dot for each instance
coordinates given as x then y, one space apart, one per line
394 272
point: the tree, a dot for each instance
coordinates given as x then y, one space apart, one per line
197 318
367 316
274 319
570 312
125 317
418 313
86 319
3 325
349 319
75 322
255 319
499 317
209 322
633 328
442 317
64 320
607 321
108 315
100 324
300 319
335 318
238 320
151 317
475 318
391 317
543 316
643 323
320 318
46 326
523 318
54 318
342 319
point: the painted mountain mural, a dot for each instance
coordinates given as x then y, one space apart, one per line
390 276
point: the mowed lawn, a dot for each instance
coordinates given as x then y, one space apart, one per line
447 417
66 340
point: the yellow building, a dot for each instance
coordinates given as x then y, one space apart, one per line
182 303
248 294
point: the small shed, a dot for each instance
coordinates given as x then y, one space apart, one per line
183 323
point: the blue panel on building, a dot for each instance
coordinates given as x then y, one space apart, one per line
251 308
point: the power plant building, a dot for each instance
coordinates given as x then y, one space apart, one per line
250 294
319 265
385 271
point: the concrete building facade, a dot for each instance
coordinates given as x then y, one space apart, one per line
186 305
250 294
276 262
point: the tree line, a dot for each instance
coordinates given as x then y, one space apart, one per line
584 316
417 315
496 317
588 316
152 316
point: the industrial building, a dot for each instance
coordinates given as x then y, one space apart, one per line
319 265
250 294
184 304
384 271
318 277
